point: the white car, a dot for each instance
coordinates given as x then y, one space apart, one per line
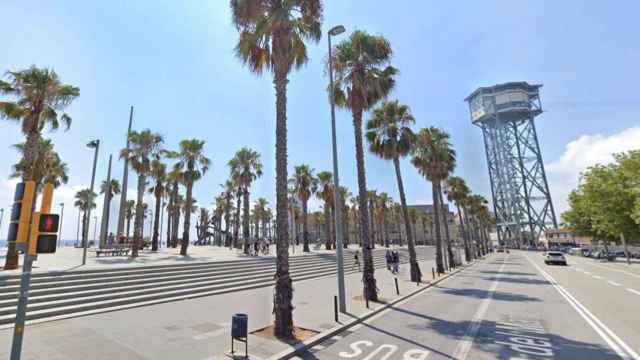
555 257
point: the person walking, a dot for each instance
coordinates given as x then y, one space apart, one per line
356 260
388 258
396 262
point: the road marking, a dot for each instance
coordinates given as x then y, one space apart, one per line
620 347
633 291
464 346
616 270
613 283
597 277
586 272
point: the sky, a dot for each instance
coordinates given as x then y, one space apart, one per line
174 62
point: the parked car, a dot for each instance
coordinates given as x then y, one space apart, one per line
555 257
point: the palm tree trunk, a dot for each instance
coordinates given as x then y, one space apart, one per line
385 226
370 290
282 302
463 233
305 227
445 218
245 220
139 219
416 274
327 227
169 217
187 219
226 228
435 190
156 220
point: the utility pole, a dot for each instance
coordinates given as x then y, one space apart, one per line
125 178
104 224
95 144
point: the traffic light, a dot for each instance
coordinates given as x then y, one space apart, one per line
20 212
44 234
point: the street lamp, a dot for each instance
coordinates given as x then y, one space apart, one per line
60 227
342 303
95 144
1 216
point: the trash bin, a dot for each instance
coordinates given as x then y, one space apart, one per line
239 326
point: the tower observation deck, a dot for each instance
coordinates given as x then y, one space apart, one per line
522 203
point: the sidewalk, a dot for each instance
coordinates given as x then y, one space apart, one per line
198 328
70 258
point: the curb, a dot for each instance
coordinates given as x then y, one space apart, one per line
321 337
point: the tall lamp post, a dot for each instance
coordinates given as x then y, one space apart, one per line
342 303
1 216
95 144
60 227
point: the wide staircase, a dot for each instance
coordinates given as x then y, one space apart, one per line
84 292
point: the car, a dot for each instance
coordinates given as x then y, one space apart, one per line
555 257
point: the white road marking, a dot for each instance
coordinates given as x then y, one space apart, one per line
618 345
613 283
633 291
597 277
616 270
586 272
464 346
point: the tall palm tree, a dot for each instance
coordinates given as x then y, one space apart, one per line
344 195
272 37
159 174
383 204
325 193
305 185
48 169
130 210
261 206
390 137
371 197
144 146
174 179
85 201
194 165
363 77
38 96
109 189
434 158
228 187
246 167
457 192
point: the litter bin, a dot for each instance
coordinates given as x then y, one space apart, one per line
239 326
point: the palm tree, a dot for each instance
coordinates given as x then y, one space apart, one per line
48 169
246 167
371 197
85 201
272 35
390 137
344 195
38 96
363 77
434 158
305 185
194 165
174 179
109 189
325 193
129 213
159 174
383 204
457 192
228 187
144 146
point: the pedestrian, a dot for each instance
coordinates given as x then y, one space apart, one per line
396 262
255 248
388 258
356 261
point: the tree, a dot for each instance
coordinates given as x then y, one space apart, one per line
325 193
174 179
228 187
390 137
38 97
246 167
272 37
458 192
344 195
193 164
434 158
144 146
109 189
129 213
305 185
383 204
159 174
85 201
48 168
363 77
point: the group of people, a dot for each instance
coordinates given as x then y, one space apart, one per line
258 247
393 261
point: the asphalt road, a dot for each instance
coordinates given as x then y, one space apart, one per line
509 306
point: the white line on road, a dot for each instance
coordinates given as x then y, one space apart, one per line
605 333
464 346
597 277
633 291
586 272
613 283
612 269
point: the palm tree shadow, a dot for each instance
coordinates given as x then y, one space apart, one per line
482 294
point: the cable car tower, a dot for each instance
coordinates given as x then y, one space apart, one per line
521 198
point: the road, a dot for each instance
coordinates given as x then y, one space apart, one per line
510 306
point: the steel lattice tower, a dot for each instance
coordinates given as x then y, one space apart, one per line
521 198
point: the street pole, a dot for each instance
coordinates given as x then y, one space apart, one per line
2 216
60 227
342 303
125 178
104 224
95 144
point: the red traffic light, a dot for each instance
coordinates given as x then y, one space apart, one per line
48 223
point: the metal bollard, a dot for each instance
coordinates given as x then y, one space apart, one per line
433 272
397 288
335 308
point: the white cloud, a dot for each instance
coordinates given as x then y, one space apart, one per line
579 154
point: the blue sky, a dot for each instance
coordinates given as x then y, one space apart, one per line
174 62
